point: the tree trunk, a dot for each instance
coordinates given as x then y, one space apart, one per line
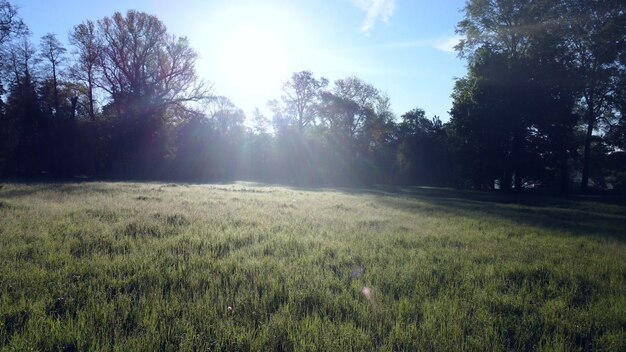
74 101
56 90
564 173
584 182
518 181
90 93
505 184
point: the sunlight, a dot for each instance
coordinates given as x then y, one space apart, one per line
239 175
255 48
254 58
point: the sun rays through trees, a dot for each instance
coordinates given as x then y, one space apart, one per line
541 106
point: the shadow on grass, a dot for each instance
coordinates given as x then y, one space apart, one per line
592 215
599 215
595 216
33 188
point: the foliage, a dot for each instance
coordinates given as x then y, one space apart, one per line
534 69
541 106
423 150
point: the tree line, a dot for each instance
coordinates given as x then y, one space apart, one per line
540 107
544 98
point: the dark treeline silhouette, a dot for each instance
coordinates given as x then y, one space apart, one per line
542 106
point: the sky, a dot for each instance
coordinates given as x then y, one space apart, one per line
248 48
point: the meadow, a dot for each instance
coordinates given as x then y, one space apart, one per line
154 266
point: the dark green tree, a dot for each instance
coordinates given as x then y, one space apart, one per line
28 127
524 84
594 35
422 152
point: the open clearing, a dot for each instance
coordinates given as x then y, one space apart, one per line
149 266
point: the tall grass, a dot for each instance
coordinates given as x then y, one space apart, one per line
129 266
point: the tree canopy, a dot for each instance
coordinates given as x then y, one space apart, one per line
541 106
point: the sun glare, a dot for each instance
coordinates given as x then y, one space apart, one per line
254 57
254 49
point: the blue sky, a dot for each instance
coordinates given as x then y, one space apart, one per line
249 47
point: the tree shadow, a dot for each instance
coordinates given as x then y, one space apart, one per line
599 215
591 216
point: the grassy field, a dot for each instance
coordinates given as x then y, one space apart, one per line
131 266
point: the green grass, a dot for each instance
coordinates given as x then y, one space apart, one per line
130 266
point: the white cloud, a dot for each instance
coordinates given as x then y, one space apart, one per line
375 10
447 44
442 43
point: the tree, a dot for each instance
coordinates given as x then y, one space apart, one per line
52 51
146 70
152 84
504 26
478 145
523 79
87 52
10 24
301 97
23 112
280 122
261 123
497 37
350 104
225 117
360 128
595 38
341 114
422 152
378 142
